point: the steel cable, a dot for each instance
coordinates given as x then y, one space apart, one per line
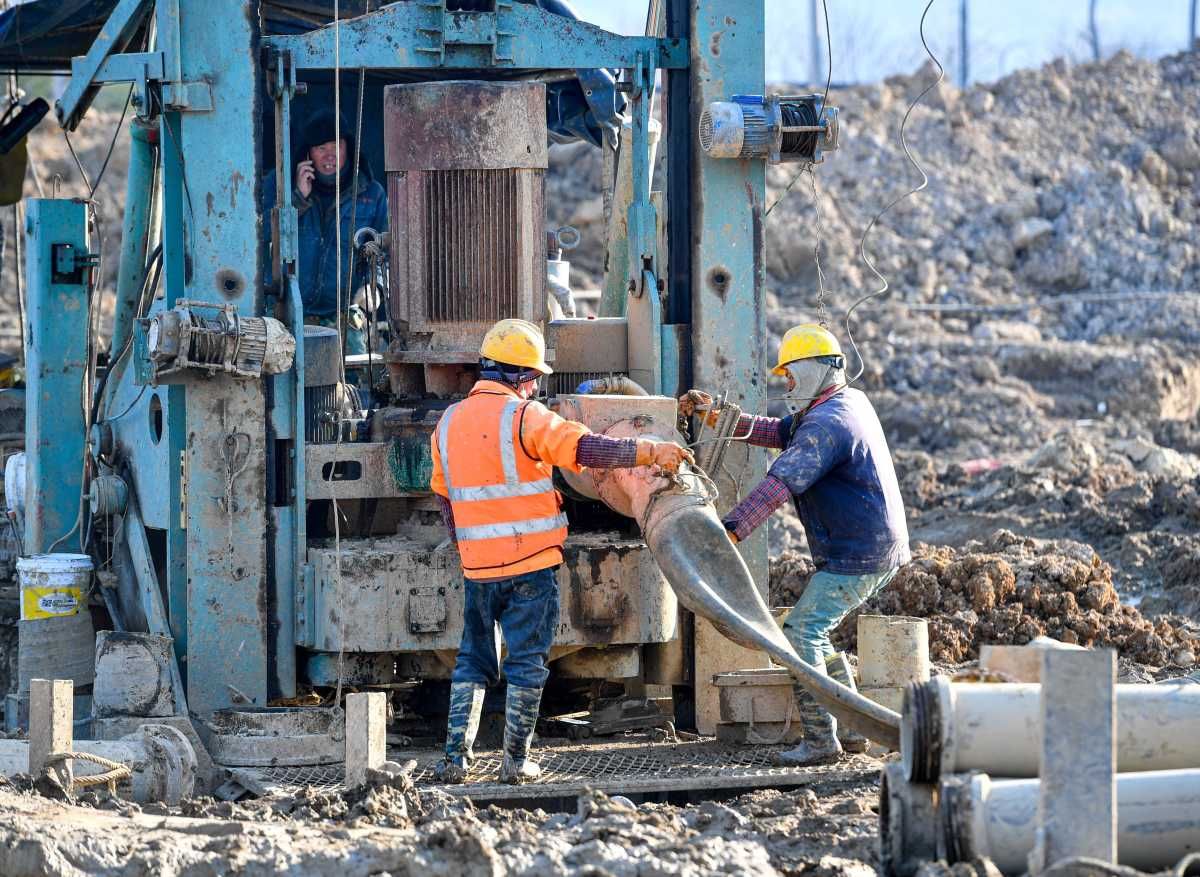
862 244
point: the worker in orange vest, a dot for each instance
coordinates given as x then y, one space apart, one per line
493 458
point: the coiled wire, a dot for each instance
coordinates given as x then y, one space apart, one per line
862 244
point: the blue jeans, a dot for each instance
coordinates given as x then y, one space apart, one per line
827 600
526 608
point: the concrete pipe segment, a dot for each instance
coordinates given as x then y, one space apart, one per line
1158 819
950 727
161 758
907 823
689 542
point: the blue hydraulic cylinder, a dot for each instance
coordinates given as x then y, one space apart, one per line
137 232
56 342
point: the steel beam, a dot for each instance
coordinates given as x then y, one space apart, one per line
726 51
56 361
114 36
212 253
136 232
517 37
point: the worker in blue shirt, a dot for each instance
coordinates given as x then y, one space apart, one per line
837 469
324 158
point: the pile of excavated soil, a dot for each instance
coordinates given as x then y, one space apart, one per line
1009 590
828 828
1049 180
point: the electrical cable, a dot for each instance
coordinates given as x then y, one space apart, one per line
129 407
862 244
343 310
82 173
112 143
819 231
824 102
187 192
154 263
807 168
337 213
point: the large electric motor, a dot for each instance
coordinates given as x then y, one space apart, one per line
213 338
466 165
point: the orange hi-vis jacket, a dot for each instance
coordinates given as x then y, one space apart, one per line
493 458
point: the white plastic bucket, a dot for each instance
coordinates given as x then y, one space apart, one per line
56 638
53 585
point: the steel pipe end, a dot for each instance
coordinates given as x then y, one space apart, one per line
907 835
958 797
921 732
173 765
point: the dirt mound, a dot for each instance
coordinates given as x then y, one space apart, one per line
1009 590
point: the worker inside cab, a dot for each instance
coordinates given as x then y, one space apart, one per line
325 171
493 459
837 469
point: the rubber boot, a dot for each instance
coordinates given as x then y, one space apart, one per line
820 744
839 670
520 718
462 724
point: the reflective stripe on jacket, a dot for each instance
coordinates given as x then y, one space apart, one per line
493 458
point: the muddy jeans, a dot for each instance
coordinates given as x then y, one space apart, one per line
526 608
827 600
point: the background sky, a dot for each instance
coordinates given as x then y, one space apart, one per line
876 38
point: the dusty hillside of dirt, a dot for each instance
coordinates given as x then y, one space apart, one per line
52 166
1049 180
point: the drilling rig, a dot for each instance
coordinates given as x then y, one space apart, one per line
264 497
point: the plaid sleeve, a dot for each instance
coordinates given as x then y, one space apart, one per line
759 505
602 452
447 516
763 432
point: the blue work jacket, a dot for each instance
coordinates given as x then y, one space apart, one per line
318 271
837 465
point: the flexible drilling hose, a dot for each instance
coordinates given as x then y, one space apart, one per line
689 542
615 385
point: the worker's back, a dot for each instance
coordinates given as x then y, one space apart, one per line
853 514
507 514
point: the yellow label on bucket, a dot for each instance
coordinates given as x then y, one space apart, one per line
49 602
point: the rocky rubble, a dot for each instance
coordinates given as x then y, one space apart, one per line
1010 589
1050 180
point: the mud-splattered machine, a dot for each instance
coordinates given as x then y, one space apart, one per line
264 497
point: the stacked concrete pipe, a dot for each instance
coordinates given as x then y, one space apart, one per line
689 542
952 727
1158 819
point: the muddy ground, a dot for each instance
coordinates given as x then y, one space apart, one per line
393 828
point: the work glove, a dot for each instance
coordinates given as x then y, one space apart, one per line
698 402
667 456
356 318
733 537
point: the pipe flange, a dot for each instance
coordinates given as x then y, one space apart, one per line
173 762
920 732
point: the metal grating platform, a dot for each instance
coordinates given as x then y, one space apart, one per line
615 768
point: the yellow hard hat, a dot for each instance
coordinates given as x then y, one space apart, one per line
516 342
804 342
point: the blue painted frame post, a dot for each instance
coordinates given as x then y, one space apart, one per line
56 336
727 57
211 185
